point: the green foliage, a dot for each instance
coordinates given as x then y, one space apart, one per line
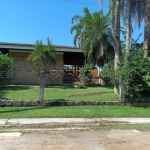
107 73
85 76
146 77
79 84
93 34
136 74
43 56
6 63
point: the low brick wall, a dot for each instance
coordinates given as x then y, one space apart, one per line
28 103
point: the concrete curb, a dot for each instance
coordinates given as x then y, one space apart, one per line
52 123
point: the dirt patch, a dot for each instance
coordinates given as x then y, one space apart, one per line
78 140
87 94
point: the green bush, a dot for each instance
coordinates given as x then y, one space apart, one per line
6 63
136 74
79 84
85 75
107 74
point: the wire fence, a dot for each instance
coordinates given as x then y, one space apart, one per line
6 78
9 84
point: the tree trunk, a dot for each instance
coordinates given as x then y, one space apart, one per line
128 28
42 83
128 48
117 41
122 91
146 31
46 83
117 36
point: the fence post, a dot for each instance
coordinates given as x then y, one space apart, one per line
42 83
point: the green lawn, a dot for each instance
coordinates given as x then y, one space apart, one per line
58 92
73 112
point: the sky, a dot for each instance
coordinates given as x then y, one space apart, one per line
25 21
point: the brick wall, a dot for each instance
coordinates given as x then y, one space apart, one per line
24 70
56 72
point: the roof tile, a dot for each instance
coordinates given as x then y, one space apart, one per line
32 45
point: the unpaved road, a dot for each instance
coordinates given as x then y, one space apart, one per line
78 140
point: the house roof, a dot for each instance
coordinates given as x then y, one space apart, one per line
24 46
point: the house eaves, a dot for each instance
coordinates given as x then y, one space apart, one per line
31 47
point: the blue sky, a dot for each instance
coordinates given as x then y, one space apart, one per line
25 21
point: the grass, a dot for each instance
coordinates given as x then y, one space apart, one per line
58 93
123 127
74 112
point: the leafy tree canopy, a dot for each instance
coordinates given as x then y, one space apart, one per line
43 57
94 36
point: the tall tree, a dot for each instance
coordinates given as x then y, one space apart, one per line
93 33
146 30
132 12
115 25
114 7
42 58
129 9
117 37
128 27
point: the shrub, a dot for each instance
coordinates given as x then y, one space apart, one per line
136 74
6 63
79 84
85 75
107 74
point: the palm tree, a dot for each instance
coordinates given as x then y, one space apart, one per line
128 9
92 32
42 58
117 33
115 25
78 27
132 11
146 30
114 7
128 27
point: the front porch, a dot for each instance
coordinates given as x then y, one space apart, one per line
72 63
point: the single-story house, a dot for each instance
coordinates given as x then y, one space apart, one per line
24 74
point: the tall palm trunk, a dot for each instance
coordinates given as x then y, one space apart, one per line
128 48
117 36
116 33
128 27
146 30
117 52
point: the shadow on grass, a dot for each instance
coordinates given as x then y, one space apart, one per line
56 100
71 86
2 94
19 109
101 86
6 89
16 87
61 87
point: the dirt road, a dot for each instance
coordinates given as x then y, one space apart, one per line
78 140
